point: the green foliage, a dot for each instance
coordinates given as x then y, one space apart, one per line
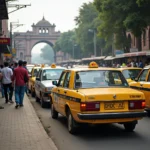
47 53
88 19
120 16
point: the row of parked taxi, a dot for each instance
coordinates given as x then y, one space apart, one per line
92 94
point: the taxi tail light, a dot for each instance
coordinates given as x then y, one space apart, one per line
140 104
90 106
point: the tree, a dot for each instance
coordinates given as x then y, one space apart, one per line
47 53
120 16
88 19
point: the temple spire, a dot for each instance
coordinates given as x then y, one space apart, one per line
43 17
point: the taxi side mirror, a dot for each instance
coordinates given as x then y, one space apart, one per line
54 83
38 79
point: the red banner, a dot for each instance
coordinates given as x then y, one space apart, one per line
5 41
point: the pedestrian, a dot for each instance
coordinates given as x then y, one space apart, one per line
7 82
1 85
20 78
26 86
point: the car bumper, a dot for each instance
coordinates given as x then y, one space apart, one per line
112 115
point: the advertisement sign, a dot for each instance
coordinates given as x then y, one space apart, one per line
4 41
14 52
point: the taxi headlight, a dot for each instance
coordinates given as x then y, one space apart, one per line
48 89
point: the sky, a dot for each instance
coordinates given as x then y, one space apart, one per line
59 12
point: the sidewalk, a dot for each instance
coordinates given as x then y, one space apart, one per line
21 129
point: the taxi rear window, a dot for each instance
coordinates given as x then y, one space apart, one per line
99 78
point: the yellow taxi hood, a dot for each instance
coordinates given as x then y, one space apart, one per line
111 94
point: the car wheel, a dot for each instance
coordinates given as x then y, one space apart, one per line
148 113
32 92
43 105
130 126
54 113
71 124
36 98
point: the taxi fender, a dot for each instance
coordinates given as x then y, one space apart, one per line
67 108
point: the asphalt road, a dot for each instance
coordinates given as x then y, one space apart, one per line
100 137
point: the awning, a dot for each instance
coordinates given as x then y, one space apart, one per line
3 10
94 58
109 58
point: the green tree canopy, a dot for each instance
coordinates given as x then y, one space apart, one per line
120 16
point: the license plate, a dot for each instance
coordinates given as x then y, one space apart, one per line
113 105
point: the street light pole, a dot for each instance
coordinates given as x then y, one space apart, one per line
94 40
95 43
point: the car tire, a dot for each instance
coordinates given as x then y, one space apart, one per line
54 113
71 124
130 126
148 113
36 98
43 104
32 92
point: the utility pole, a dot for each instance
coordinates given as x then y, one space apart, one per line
17 6
11 37
94 40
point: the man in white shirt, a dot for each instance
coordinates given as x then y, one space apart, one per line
7 74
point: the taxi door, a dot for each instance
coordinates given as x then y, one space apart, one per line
146 88
65 93
30 79
58 93
141 80
37 84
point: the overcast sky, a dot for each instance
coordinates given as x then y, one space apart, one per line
59 12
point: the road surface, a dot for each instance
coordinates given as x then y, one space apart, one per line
100 137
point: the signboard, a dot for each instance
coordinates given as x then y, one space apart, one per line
133 50
7 55
5 41
118 52
14 52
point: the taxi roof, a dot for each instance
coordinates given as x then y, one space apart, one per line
147 67
87 69
52 68
129 68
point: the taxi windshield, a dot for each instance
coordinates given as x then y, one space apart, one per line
99 78
131 73
51 74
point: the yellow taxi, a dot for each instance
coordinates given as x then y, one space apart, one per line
31 83
91 95
130 73
142 83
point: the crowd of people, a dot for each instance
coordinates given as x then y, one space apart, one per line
13 77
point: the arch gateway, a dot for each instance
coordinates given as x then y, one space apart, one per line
43 31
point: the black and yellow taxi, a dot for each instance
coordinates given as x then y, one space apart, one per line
91 95
142 83
43 83
130 73
31 83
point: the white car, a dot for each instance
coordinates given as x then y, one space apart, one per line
43 83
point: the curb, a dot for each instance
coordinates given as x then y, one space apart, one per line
52 146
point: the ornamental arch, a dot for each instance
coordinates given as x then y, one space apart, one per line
42 32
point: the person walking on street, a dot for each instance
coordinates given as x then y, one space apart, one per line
25 67
20 78
7 82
